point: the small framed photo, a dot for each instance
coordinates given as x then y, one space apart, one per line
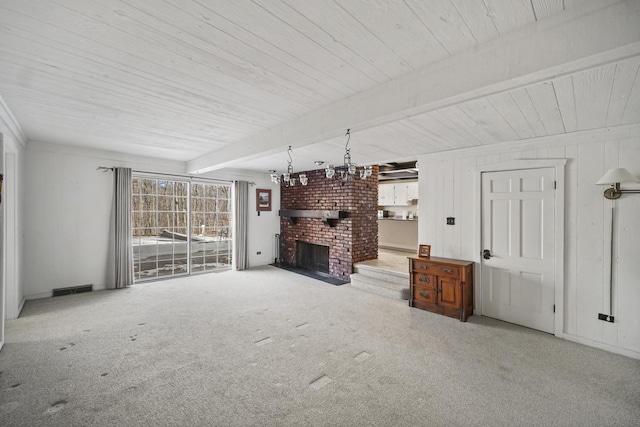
424 251
263 200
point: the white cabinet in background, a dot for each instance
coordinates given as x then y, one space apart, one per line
385 195
399 194
412 191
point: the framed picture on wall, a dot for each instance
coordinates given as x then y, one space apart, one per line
424 251
263 200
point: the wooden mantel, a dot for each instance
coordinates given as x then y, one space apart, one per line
328 217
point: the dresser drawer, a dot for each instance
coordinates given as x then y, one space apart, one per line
449 271
435 268
422 266
425 280
424 294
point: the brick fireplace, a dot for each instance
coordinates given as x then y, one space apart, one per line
345 220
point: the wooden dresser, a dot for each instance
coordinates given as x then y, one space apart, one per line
442 285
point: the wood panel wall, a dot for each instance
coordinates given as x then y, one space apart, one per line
447 188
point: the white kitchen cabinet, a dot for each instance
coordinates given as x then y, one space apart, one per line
412 191
399 194
386 195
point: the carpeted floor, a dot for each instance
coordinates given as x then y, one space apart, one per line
270 347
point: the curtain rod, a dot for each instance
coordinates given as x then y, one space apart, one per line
105 168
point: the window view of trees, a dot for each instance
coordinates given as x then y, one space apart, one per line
210 227
168 215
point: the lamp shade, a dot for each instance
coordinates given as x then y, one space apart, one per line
617 175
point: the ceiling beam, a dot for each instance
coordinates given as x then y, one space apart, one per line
596 34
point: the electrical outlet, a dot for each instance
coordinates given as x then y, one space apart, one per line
451 221
259 253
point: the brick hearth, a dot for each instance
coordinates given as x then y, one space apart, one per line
351 240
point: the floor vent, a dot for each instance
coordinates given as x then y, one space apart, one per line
72 290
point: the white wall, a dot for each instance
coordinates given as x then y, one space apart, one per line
68 215
12 165
447 188
261 228
398 234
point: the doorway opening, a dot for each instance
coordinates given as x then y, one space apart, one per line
398 206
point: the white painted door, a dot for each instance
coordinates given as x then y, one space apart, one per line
518 247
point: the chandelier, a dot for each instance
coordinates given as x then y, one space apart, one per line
287 179
348 170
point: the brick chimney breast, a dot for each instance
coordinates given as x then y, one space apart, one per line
350 240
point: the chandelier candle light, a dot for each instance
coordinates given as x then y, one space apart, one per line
348 170
287 179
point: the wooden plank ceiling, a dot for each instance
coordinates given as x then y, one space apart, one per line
185 80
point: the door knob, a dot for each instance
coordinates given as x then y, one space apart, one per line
486 254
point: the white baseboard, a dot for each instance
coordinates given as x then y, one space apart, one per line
49 294
39 295
21 306
602 346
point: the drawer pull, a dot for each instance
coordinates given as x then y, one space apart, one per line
447 270
423 266
424 279
424 294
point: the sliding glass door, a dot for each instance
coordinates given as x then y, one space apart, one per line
180 227
210 227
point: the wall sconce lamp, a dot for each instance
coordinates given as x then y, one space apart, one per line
614 177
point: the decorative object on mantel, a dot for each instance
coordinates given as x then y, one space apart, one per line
263 200
287 179
614 177
424 251
348 170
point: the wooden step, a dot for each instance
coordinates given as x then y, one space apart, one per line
384 274
390 289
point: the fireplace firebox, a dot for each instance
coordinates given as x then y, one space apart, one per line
312 257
